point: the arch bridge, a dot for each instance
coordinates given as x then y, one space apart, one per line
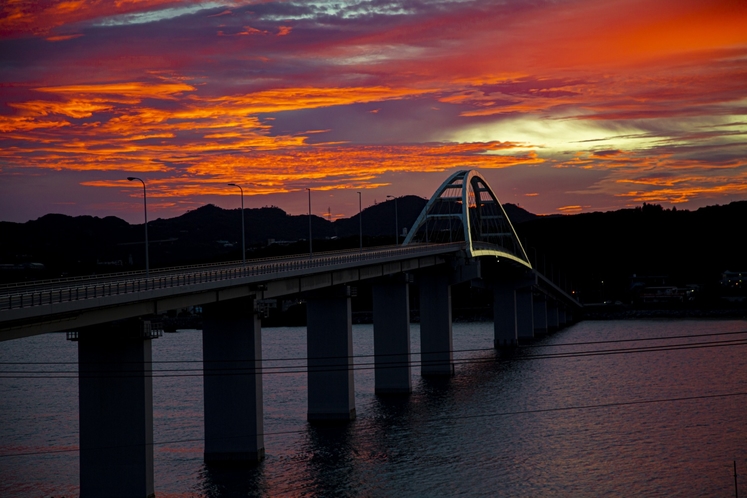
465 209
462 235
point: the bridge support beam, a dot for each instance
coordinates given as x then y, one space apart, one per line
391 324
504 316
329 343
552 315
435 325
116 411
232 357
524 314
540 308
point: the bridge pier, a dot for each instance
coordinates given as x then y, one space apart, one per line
540 306
504 316
391 324
232 362
329 343
435 325
116 410
524 313
562 318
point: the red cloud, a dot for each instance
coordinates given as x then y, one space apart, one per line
174 98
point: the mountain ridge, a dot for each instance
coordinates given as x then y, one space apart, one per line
598 251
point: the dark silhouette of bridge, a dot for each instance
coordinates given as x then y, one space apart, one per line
462 235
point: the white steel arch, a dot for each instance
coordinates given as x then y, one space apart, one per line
464 208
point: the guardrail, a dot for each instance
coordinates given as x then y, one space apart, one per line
108 286
56 282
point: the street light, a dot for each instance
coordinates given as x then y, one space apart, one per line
243 239
311 253
396 220
145 210
360 221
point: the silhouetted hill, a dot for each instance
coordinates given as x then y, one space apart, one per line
68 245
590 248
519 215
378 220
600 252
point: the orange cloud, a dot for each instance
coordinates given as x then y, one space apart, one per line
688 192
248 30
75 108
324 168
664 177
63 37
192 126
571 209
10 124
290 99
129 89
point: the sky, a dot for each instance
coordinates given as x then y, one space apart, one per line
564 106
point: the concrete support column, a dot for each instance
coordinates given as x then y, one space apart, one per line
329 343
540 308
562 318
391 323
504 316
232 362
116 411
435 325
524 313
552 315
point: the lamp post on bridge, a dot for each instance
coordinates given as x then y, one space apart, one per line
311 252
145 211
243 239
360 222
396 220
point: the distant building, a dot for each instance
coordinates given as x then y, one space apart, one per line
667 294
733 279
656 289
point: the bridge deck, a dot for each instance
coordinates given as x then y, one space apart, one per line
48 306
65 304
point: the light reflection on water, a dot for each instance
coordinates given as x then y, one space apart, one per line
451 436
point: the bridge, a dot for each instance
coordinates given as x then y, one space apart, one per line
462 235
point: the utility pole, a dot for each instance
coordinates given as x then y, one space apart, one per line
360 220
311 252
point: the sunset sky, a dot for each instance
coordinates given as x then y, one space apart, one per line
565 106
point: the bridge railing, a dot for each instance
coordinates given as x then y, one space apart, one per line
56 282
179 278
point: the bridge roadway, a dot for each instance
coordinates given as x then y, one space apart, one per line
53 305
47 306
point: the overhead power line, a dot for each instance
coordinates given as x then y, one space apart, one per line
470 350
615 404
296 369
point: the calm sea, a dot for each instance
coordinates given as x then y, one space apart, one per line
669 420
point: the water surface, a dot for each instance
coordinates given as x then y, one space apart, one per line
634 424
